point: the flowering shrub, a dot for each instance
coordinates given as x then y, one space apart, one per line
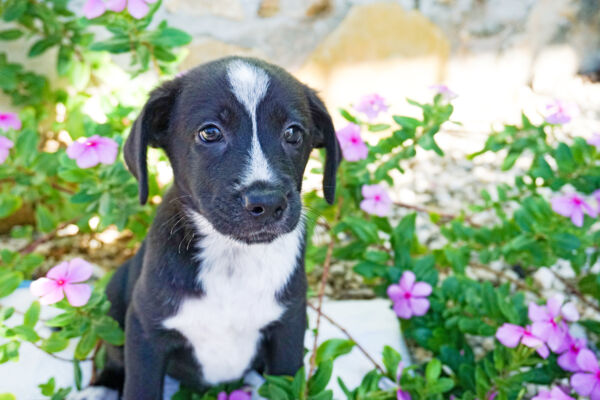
499 339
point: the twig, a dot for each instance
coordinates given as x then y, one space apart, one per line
576 291
324 276
345 332
54 355
503 275
31 246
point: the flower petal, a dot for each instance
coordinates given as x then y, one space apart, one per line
3 155
60 271
87 159
568 361
577 217
6 143
78 294
93 9
42 286
394 292
116 5
402 309
79 271
137 8
407 281
586 360
569 312
538 313
562 205
421 289
75 149
583 383
239 395
419 306
509 335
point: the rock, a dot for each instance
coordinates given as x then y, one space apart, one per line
268 8
231 9
318 7
204 50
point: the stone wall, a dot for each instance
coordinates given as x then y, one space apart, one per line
346 48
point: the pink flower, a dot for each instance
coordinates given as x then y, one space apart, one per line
371 105
376 200
5 145
353 147
587 382
63 280
93 150
596 196
401 394
511 335
445 91
560 112
548 324
235 395
139 8
574 207
555 394
568 359
595 140
9 121
95 8
409 297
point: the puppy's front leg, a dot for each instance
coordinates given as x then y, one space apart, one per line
285 344
144 363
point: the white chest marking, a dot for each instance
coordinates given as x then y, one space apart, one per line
240 283
249 84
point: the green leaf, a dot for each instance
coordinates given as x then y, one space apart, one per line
9 204
326 395
299 385
9 282
77 374
170 37
433 370
564 158
440 386
64 61
407 122
61 320
117 44
7 396
318 382
54 343
10 34
44 219
108 329
86 344
14 10
48 387
391 358
42 45
26 333
333 348
349 117
32 315
378 127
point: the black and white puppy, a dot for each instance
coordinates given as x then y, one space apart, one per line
218 287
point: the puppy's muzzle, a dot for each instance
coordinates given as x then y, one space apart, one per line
263 203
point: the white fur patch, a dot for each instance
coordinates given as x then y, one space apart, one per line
94 393
249 84
240 282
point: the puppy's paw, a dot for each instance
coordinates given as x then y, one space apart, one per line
95 393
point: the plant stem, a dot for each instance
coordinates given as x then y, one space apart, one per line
31 246
347 334
573 289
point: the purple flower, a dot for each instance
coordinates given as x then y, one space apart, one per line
445 91
93 150
573 206
5 145
95 8
511 335
9 121
409 297
353 147
555 394
596 196
139 8
64 279
548 324
371 105
401 394
559 112
235 395
568 359
376 200
595 140
587 382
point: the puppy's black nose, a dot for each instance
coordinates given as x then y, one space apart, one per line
265 203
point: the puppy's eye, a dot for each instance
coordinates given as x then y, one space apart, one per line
293 134
210 133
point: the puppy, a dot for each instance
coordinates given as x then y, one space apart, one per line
218 287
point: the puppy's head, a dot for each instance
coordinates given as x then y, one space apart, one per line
238 133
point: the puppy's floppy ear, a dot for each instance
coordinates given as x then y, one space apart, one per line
325 137
149 129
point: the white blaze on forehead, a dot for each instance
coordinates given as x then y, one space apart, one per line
249 84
